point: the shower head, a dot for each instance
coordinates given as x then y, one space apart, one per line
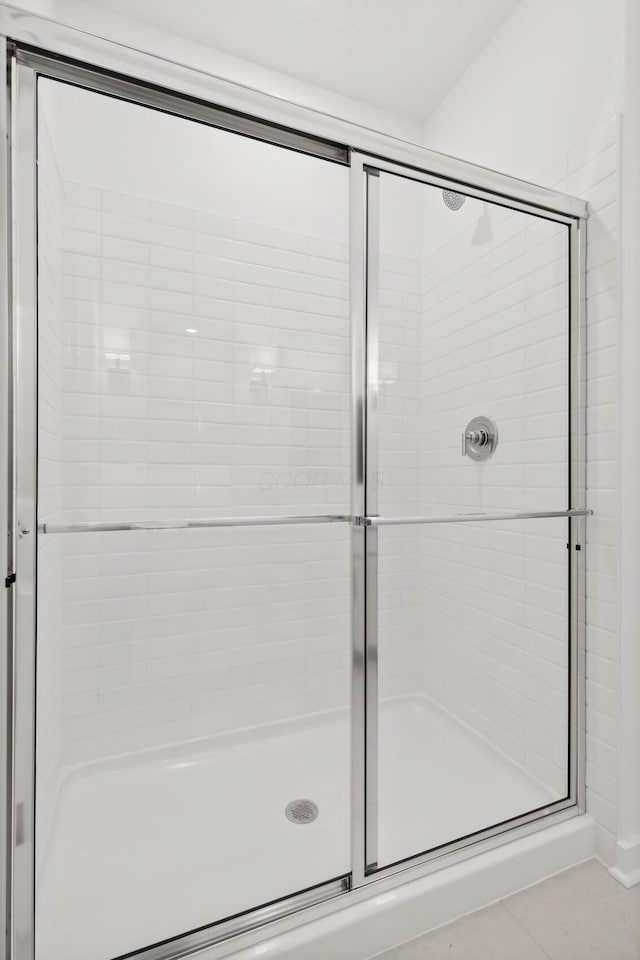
452 200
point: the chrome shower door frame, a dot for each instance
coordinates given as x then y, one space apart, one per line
366 171
6 510
362 150
27 67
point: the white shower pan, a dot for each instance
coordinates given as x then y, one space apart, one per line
180 839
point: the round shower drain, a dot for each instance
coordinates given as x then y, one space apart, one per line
301 811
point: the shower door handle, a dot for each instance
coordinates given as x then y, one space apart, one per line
194 523
159 524
476 517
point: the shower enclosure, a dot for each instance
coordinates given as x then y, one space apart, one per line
299 515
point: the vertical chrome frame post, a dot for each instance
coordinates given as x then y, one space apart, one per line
371 498
6 485
358 271
24 171
578 525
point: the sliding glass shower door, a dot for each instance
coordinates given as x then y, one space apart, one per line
299 501
467 491
192 651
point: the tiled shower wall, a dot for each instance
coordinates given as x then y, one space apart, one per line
50 587
206 373
494 600
495 342
206 364
152 411
400 617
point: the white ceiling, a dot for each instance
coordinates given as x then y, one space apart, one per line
399 55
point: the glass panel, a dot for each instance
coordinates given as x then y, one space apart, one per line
202 279
473 618
473 322
193 362
473 678
205 684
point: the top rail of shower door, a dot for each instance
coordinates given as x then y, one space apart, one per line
105 526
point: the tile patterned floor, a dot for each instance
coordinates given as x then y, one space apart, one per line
581 914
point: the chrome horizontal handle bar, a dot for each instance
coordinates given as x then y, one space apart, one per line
189 524
204 523
473 517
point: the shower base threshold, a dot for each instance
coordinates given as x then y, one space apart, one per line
149 846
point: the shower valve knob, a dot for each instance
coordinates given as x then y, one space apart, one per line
479 439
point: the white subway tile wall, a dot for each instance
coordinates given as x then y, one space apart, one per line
495 648
206 364
484 607
495 343
50 662
206 373
501 665
182 634
400 616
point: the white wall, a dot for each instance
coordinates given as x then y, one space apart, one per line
628 847
551 75
44 8
88 17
